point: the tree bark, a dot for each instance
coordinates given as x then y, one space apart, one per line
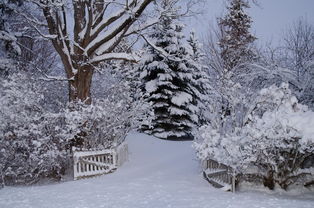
80 86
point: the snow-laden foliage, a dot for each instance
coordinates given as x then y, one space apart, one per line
173 81
274 143
235 77
299 58
106 122
10 41
9 48
201 76
233 92
35 142
30 147
293 60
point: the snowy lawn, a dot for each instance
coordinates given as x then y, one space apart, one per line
159 174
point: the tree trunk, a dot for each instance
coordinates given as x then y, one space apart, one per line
80 87
269 180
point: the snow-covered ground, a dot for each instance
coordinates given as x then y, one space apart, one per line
159 174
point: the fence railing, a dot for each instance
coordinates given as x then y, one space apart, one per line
88 163
219 175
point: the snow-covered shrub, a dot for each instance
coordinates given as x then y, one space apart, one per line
29 148
106 122
35 143
273 145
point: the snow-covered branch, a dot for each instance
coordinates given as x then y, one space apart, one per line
160 50
114 56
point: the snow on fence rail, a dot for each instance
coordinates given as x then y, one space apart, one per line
88 163
219 175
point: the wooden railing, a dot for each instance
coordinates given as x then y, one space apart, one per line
88 163
219 175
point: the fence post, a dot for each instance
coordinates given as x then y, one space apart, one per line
115 159
75 163
233 182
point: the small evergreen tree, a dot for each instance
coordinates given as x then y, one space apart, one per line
200 75
236 39
171 85
9 50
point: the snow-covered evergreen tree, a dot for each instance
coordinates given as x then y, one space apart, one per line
8 42
171 83
236 39
200 75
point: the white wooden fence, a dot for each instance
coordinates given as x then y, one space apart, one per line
219 175
88 163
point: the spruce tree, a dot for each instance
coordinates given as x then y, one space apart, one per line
169 82
236 40
9 49
201 79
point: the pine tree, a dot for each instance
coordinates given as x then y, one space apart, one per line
170 85
236 40
9 50
200 76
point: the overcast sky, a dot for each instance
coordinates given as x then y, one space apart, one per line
270 19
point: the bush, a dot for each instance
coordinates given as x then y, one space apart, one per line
29 146
273 145
106 122
35 143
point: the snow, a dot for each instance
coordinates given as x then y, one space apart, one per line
112 56
151 86
181 99
96 152
304 122
290 113
159 174
177 111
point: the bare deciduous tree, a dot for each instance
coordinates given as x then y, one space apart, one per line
299 44
299 41
85 33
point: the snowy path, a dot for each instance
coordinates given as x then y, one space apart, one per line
160 174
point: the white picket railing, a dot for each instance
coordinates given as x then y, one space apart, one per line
88 163
219 175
